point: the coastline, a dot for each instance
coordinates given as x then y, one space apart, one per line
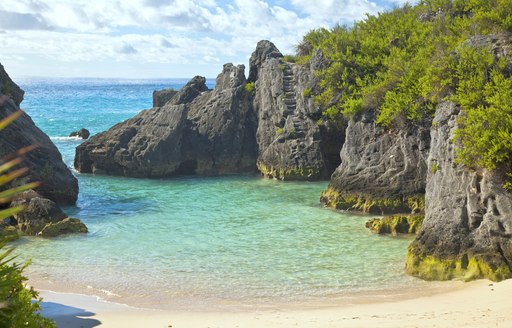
479 303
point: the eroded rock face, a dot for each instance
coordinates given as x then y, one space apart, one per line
291 144
45 161
197 131
468 225
9 88
382 170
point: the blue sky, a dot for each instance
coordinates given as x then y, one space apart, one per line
157 38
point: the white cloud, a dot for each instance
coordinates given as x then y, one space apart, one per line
21 21
170 32
345 11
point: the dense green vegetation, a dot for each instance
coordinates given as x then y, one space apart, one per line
402 63
17 308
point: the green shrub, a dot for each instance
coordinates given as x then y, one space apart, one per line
306 93
402 63
290 58
249 87
434 167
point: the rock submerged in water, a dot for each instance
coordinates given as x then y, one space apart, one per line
42 217
82 133
66 226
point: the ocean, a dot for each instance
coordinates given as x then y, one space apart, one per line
195 242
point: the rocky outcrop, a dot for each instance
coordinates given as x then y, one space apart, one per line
82 133
45 161
468 225
268 122
382 170
292 145
197 131
161 97
42 217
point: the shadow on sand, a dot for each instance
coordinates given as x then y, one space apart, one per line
67 316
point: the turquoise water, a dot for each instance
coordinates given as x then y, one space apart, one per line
196 241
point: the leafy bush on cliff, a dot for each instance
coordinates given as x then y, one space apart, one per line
402 63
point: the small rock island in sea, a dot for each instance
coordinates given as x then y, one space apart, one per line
269 122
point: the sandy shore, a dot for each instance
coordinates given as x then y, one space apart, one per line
476 304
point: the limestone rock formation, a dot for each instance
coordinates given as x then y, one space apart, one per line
268 122
292 146
197 131
382 170
44 162
161 97
468 225
82 133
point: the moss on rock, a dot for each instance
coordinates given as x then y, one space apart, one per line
289 173
373 205
465 266
68 225
396 224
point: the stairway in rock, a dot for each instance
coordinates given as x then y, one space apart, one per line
289 93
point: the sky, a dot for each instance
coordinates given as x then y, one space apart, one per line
158 38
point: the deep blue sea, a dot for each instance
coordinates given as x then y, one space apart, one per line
193 242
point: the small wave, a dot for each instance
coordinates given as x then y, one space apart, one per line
66 138
109 293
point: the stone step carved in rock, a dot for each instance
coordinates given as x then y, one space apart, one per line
288 90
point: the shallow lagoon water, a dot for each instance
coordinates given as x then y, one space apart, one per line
196 241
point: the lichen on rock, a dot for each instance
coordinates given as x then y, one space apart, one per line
367 203
396 224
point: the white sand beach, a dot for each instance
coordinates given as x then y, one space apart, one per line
476 304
